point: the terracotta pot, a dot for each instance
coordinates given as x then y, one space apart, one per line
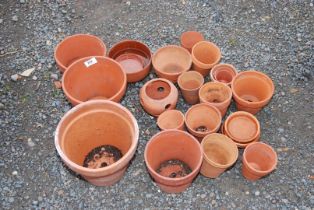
171 119
171 61
205 55
190 38
220 153
190 83
158 95
169 145
92 124
223 73
259 159
202 119
135 58
94 78
216 94
252 90
78 46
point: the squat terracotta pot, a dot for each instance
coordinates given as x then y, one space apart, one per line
252 90
169 145
224 73
94 78
171 119
78 46
259 160
158 95
92 124
190 38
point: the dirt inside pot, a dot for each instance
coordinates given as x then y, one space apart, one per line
102 156
201 128
174 168
215 95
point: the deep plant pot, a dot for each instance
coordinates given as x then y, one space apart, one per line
78 46
205 55
171 119
252 90
190 83
223 72
158 95
190 38
92 124
259 159
171 61
220 153
94 78
135 58
173 144
217 94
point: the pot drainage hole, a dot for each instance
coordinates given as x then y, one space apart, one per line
160 89
201 128
174 168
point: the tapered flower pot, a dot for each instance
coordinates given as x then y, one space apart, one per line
223 73
205 55
190 83
94 78
171 119
190 38
220 153
78 46
202 119
216 94
252 90
173 145
135 58
93 124
259 160
171 61
158 95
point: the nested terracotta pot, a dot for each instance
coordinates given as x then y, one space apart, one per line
171 61
93 124
135 58
94 78
78 46
190 38
259 160
223 72
216 94
158 95
220 153
173 145
252 90
171 119
190 83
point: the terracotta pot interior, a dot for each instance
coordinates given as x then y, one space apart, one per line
158 89
170 119
223 74
190 81
190 38
215 93
174 169
206 53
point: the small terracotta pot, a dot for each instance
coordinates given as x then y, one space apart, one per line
171 119
202 119
205 55
216 94
135 58
252 90
171 61
259 159
104 78
78 46
190 83
220 153
168 145
190 38
92 124
158 95
223 73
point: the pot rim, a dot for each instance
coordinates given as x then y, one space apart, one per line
171 110
190 72
231 68
208 65
218 83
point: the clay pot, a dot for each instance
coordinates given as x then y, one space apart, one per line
78 46
135 58
223 73
202 119
94 78
169 145
190 83
217 94
158 95
190 38
92 124
259 159
171 119
252 90
205 55
171 61
220 153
